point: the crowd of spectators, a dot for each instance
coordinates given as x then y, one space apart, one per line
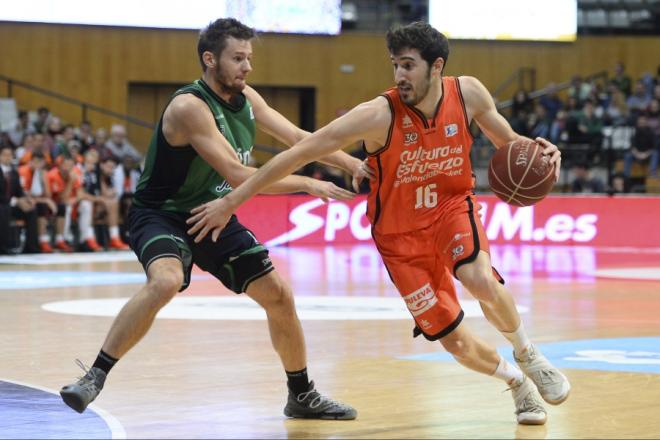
580 120
67 187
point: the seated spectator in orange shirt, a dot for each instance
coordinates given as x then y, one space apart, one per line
64 182
33 180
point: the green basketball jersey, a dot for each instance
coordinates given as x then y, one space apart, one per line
177 178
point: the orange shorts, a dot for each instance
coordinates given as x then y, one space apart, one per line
421 264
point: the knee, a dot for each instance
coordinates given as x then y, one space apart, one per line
280 297
457 347
482 285
164 284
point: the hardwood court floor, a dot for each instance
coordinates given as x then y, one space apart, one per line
207 370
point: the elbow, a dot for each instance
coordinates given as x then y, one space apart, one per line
237 176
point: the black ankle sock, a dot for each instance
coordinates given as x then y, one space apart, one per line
298 382
105 362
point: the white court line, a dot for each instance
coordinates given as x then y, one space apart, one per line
116 428
79 257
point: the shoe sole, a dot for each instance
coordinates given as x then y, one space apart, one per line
73 401
559 401
533 422
318 417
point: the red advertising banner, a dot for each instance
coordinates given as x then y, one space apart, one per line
579 220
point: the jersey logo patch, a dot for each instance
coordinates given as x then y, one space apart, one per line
420 300
410 138
451 130
406 121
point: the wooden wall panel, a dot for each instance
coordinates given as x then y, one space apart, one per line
96 64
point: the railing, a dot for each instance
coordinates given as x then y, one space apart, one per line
521 75
85 107
556 88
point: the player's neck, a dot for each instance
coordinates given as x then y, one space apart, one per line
223 93
429 104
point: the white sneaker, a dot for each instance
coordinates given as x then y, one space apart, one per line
529 408
551 383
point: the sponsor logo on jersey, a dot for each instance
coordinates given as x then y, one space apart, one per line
222 129
410 138
406 122
223 188
451 130
457 252
421 163
251 113
420 300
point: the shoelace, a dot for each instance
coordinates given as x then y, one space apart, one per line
88 371
317 400
529 405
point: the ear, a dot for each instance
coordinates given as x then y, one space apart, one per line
438 65
209 59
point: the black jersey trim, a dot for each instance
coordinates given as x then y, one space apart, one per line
460 97
475 237
421 115
444 332
380 184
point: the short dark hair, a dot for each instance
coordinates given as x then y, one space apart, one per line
213 38
430 43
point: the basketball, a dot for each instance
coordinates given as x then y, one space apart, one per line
520 174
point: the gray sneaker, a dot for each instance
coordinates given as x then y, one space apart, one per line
313 405
80 394
529 408
551 383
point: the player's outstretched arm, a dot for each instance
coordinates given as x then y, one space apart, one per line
480 107
275 124
188 120
369 121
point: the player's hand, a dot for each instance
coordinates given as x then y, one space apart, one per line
362 171
51 206
209 217
550 149
328 190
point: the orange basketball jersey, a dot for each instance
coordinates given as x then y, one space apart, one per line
424 167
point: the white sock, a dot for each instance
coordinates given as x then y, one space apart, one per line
114 231
44 238
67 223
85 219
507 372
59 237
519 339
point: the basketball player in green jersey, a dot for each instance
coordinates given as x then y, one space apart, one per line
199 152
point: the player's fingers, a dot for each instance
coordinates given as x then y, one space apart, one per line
198 209
196 227
356 184
195 218
202 234
215 234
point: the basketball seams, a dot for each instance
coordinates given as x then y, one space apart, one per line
516 195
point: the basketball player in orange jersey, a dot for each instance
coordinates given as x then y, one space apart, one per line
422 208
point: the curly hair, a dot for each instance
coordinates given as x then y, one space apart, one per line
213 38
430 43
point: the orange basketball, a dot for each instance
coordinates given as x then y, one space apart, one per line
520 174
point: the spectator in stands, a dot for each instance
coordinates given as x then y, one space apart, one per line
90 195
653 118
62 141
43 119
20 129
638 101
100 138
521 107
34 144
618 184
643 148
615 112
621 80
5 140
64 182
551 101
52 135
539 123
125 179
579 89
559 128
118 145
584 182
110 201
14 203
85 136
34 183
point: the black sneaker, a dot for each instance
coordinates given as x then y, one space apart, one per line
313 405
80 394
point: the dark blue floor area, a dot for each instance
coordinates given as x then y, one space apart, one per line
29 413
